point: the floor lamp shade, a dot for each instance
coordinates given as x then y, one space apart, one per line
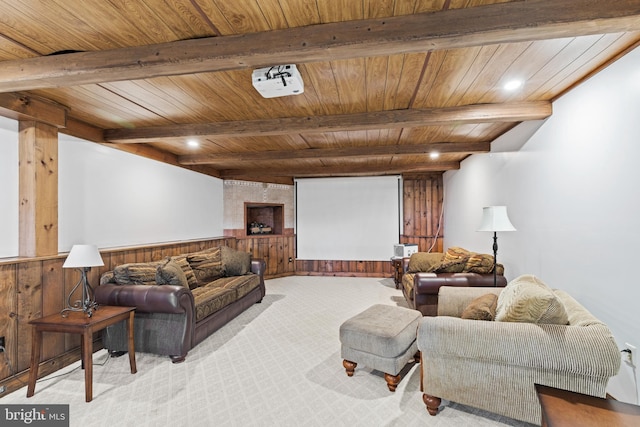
82 257
495 218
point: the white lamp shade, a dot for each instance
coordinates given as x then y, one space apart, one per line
494 218
83 256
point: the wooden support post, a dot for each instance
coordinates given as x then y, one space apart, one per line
38 189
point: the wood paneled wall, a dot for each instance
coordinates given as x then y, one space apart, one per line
423 212
279 252
423 215
35 287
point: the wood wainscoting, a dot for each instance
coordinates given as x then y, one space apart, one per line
279 252
34 287
344 268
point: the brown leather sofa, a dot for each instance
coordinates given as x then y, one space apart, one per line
172 319
420 288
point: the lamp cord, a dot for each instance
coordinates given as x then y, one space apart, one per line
435 239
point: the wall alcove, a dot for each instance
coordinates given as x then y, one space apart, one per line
263 218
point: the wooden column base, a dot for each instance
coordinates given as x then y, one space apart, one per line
432 402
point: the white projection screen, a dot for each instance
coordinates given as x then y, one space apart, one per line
347 219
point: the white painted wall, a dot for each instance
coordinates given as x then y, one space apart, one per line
8 187
111 198
571 187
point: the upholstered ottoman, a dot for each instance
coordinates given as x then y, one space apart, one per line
382 337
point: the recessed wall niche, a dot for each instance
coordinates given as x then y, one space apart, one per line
263 218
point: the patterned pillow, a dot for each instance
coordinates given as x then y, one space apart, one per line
142 273
235 263
528 299
107 277
479 263
481 308
170 273
206 265
456 266
424 262
456 254
181 260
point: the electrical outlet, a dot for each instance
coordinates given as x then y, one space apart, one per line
3 389
629 350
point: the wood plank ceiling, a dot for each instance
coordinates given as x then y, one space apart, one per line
385 82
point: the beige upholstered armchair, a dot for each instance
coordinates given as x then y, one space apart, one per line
493 365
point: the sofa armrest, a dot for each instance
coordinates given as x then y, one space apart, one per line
583 350
258 266
148 299
405 264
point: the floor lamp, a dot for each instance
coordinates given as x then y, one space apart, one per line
494 218
82 257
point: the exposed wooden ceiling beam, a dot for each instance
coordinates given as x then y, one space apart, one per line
482 113
22 106
353 170
326 153
454 28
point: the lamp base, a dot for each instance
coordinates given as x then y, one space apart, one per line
88 303
88 307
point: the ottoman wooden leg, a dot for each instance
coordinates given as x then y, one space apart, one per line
392 381
349 366
432 402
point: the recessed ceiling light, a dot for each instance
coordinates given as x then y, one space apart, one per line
513 84
193 143
434 154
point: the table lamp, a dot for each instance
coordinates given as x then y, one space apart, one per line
82 257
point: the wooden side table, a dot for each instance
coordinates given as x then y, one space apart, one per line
80 323
396 264
565 408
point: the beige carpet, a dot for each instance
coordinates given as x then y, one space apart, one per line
277 364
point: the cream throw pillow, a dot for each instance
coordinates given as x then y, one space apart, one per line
528 299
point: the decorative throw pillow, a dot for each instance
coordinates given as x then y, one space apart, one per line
479 263
454 261
107 277
451 266
424 262
141 273
181 260
481 308
206 265
235 263
170 273
528 299
456 254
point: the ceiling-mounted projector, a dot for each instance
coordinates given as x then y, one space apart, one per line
279 80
